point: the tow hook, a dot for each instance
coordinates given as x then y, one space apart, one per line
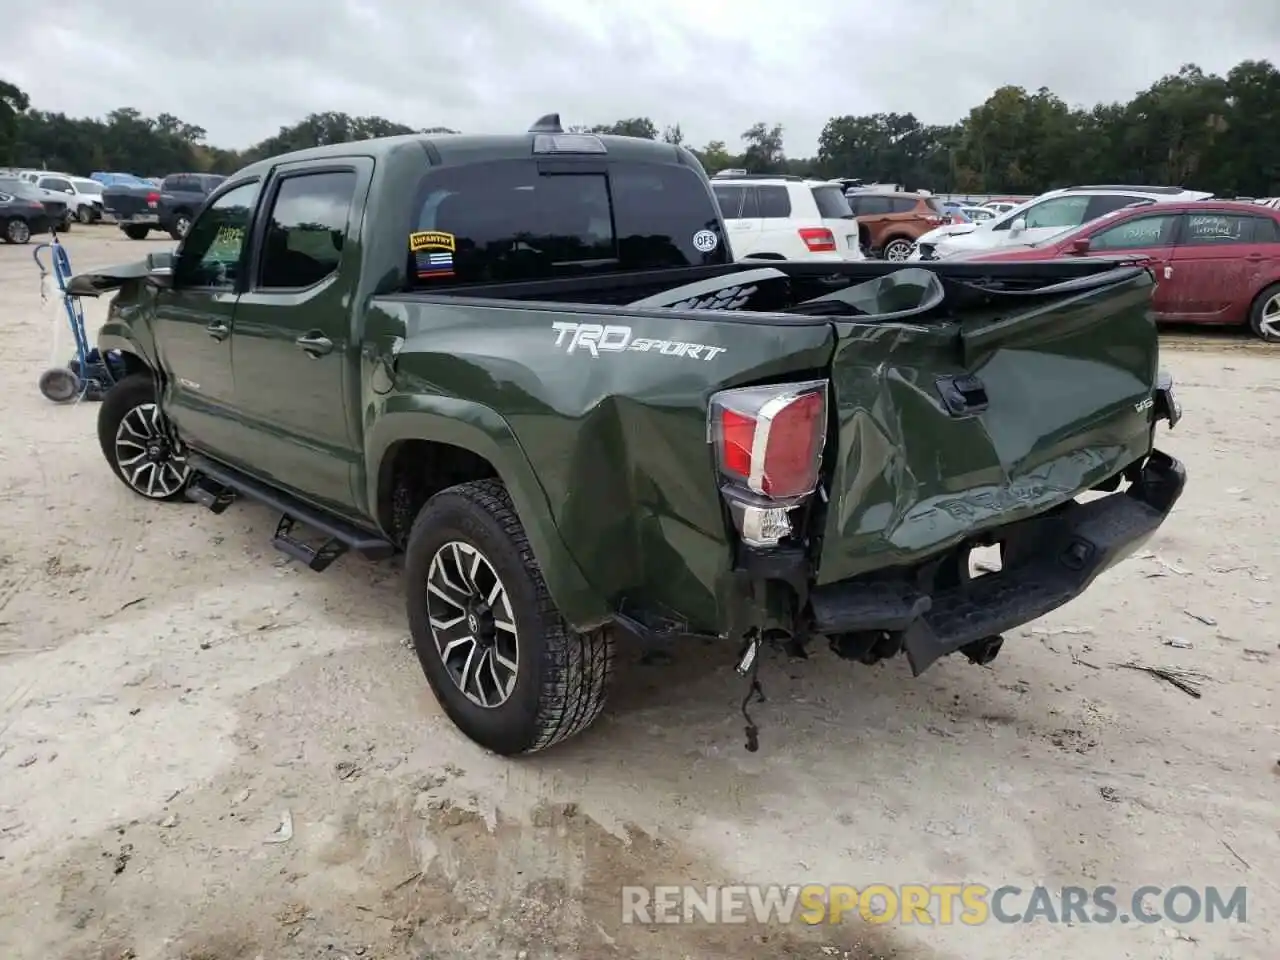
983 651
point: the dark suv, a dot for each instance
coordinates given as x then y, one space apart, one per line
894 221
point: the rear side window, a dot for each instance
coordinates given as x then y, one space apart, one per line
903 204
507 221
1103 204
831 202
869 206
774 201
1266 230
175 184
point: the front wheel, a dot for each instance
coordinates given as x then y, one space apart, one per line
1264 318
181 224
85 215
507 669
138 442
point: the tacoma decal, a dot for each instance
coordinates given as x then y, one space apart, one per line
595 339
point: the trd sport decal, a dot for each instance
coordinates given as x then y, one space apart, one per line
595 339
432 253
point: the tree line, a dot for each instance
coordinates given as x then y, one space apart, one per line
1190 128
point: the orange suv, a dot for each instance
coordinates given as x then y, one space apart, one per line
894 221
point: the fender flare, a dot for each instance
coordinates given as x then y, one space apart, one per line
482 431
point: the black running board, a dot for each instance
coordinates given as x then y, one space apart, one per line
216 486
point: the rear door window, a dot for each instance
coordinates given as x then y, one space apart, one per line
1218 229
831 202
509 221
869 206
774 201
903 204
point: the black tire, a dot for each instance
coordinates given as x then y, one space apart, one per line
85 214
181 224
59 384
131 399
17 230
561 676
1264 315
135 232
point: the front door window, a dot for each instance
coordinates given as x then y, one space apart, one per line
212 255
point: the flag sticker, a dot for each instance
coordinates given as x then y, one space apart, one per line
432 253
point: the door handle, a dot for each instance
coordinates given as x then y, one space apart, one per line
1254 257
315 345
1168 273
218 330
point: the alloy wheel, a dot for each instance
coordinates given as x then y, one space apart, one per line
472 624
1269 322
897 251
181 226
150 462
18 231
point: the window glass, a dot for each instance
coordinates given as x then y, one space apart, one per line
902 204
831 203
507 221
213 250
1152 231
1058 212
1217 229
774 201
176 183
730 199
92 187
750 203
1110 202
869 206
1266 230
55 183
305 232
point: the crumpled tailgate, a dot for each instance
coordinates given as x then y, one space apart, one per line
944 429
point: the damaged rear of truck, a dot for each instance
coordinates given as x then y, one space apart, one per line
630 433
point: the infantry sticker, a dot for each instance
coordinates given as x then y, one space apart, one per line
432 253
704 241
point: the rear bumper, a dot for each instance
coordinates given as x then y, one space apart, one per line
1049 560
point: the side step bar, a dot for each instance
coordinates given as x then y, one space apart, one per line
217 485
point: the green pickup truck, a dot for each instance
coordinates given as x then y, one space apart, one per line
530 364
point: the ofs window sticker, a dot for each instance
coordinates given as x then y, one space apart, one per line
595 339
432 253
704 241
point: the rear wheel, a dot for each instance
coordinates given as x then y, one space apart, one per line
134 232
1264 318
138 442
898 249
17 230
506 668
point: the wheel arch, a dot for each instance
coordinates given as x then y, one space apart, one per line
420 445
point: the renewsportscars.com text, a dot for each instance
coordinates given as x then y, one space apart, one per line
932 904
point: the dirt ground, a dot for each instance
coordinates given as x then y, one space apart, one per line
173 690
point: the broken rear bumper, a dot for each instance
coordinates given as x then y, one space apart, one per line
1047 561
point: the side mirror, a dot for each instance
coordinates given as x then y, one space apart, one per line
1080 246
160 269
1018 225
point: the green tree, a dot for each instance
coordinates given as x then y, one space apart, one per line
13 103
763 151
641 127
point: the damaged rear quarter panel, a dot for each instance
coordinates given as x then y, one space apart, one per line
617 441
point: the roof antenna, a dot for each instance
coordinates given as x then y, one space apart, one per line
550 123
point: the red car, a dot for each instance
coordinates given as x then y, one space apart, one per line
1216 261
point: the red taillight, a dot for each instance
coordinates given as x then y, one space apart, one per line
770 439
818 239
152 199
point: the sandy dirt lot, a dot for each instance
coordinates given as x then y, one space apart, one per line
173 690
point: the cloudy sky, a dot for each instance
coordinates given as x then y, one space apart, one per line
243 68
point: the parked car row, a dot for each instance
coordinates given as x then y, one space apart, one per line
35 201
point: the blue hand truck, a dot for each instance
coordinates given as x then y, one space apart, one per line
91 373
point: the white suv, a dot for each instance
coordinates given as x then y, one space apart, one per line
1042 217
787 218
82 196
